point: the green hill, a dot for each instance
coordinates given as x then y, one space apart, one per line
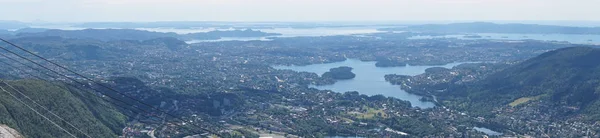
563 78
85 111
339 73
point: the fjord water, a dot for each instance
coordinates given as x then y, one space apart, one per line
321 31
370 79
222 39
285 32
571 38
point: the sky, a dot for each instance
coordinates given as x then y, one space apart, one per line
296 10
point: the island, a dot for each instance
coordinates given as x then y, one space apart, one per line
340 73
389 63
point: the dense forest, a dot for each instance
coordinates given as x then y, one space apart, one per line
88 113
340 73
564 78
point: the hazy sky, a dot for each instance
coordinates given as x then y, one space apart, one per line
297 10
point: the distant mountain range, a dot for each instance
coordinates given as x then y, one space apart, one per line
486 27
6 25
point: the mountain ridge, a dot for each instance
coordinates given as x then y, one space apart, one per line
567 77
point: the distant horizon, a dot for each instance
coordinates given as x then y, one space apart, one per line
302 21
297 10
587 23
574 23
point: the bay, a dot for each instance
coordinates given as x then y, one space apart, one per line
370 79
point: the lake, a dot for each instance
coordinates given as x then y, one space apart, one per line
487 131
370 79
571 38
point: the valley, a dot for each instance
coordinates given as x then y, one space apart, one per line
455 87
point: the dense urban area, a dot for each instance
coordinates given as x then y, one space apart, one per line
232 88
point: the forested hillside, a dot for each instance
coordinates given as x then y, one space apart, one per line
85 111
567 80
